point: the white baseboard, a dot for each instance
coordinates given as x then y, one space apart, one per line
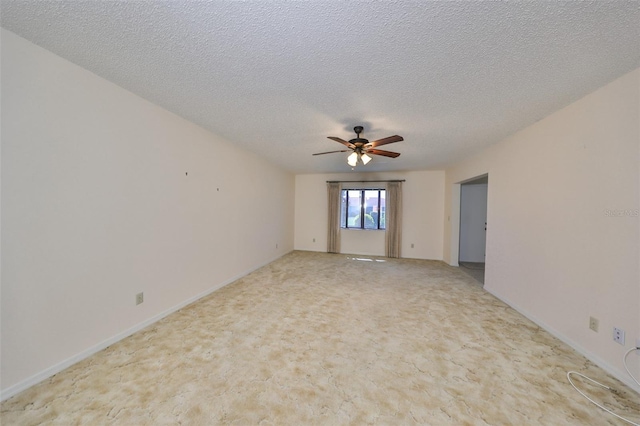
615 372
45 374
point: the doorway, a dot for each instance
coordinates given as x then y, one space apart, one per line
473 227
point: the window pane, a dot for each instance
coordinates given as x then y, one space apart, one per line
371 209
382 209
343 209
353 215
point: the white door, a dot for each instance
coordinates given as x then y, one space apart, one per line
473 222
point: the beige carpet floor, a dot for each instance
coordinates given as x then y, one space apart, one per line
475 269
316 338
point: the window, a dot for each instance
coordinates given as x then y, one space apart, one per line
363 209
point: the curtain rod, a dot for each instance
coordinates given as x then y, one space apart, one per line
364 181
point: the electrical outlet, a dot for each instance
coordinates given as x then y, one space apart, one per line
314 240
139 298
593 324
618 335
276 245
411 245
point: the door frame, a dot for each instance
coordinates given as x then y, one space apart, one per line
455 216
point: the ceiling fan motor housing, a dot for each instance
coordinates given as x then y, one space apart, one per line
358 141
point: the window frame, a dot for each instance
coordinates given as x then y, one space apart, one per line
344 224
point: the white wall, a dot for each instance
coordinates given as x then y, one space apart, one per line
97 206
423 194
563 235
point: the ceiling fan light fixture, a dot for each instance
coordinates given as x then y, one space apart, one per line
352 160
361 147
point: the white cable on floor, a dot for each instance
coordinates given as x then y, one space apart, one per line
624 361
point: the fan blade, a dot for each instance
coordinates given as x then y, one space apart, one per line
342 141
384 153
331 152
384 141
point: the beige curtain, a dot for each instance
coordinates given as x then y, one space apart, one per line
333 233
393 236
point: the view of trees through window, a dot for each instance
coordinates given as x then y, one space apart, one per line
363 209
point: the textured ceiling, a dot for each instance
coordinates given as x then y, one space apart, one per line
279 77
